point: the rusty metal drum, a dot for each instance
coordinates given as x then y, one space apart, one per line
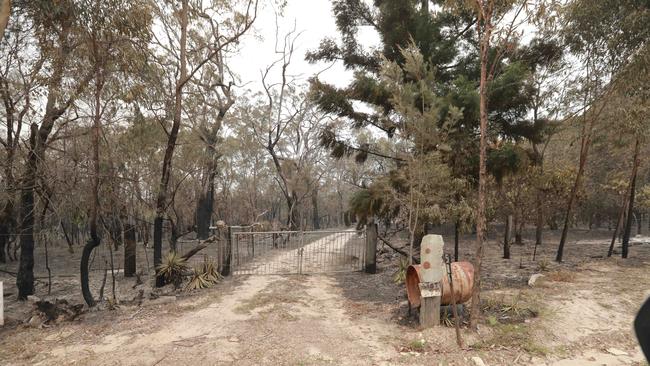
463 277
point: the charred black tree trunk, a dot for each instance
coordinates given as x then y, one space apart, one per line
506 237
37 141
91 244
314 213
205 203
341 216
519 228
418 235
95 239
25 276
293 216
456 239
585 143
630 206
7 217
157 248
204 210
539 222
161 201
7 222
129 249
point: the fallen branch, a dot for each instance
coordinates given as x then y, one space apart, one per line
37 279
193 251
397 249
8 272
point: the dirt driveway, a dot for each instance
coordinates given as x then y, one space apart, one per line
584 318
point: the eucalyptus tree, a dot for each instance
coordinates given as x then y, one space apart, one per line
602 49
287 127
628 109
21 65
212 94
117 32
60 31
496 38
181 57
286 124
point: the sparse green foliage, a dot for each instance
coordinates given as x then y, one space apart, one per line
173 268
400 273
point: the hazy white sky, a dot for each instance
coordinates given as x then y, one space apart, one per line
314 20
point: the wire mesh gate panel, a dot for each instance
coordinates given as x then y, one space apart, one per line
298 252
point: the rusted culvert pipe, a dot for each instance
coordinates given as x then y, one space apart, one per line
463 277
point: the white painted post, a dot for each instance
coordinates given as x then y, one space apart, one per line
431 273
2 308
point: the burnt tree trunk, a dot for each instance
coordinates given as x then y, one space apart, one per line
484 29
37 142
456 239
630 205
519 228
129 249
585 143
293 216
315 218
572 197
161 201
204 209
205 204
25 275
539 222
7 222
507 237
7 217
95 239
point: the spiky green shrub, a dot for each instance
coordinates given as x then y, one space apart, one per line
173 268
400 274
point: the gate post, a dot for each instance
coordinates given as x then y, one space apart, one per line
371 248
228 254
301 251
431 252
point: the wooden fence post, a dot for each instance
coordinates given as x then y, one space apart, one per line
431 272
2 306
371 248
228 253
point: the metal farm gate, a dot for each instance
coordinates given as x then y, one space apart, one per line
297 252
